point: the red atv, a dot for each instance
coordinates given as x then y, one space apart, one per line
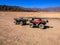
38 23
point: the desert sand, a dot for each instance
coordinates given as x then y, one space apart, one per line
11 34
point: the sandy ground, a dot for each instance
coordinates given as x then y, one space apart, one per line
11 34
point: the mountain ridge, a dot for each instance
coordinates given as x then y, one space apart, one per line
22 9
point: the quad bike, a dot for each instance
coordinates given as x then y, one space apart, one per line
38 23
21 21
33 22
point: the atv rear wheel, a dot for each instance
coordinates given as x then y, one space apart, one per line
31 25
21 23
42 26
16 22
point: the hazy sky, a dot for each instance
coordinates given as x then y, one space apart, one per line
31 3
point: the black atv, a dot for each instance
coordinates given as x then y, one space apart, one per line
21 21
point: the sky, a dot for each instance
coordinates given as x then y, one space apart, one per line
31 3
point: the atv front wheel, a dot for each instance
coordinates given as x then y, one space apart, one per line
31 25
42 26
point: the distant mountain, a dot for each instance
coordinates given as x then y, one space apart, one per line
15 8
56 9
22 9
